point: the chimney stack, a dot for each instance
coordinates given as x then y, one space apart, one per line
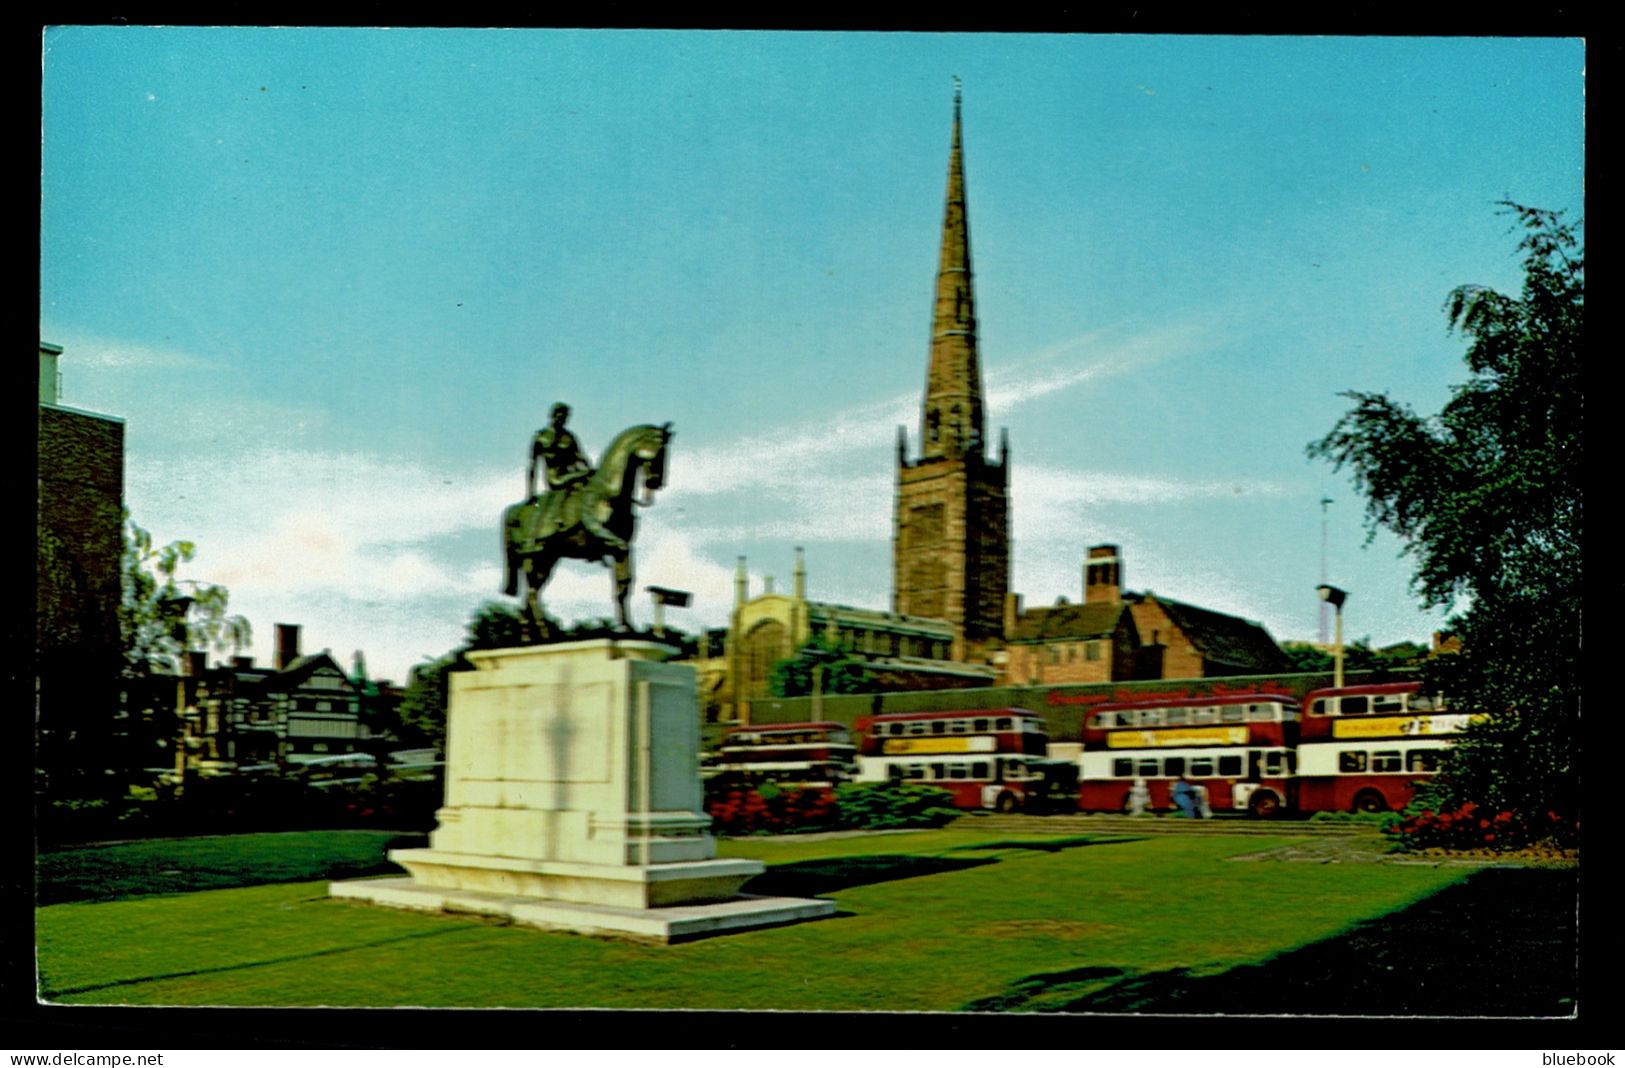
1103 576
287 644
48 375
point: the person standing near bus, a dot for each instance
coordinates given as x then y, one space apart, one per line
1184 796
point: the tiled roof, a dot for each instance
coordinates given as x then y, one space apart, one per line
1224 638
1068 621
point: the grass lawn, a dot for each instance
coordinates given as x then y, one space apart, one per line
181 865
933 920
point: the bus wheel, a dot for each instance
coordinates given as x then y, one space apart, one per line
1264 805
1369 801
1007 803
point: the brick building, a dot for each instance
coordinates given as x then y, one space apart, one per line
79 544
1119 635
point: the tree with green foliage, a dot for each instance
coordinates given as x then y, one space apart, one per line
1357 656
1486 498
157 624
838 670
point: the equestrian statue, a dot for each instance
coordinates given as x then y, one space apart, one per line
584 513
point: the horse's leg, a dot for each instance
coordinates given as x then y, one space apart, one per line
622 569
538 569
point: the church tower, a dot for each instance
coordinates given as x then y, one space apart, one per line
951 539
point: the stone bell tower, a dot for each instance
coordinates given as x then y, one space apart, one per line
951 539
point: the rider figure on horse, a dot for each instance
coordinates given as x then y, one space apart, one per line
566 469
559 452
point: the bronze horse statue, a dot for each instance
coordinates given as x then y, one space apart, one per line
592 520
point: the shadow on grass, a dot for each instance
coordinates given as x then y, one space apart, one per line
1499 943
181 866
49 993
809 878
1049 845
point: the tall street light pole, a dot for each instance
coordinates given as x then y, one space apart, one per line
1335 597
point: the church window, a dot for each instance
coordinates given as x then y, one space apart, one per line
1091 650
933 421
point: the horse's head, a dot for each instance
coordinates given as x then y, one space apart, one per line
636 450
654 465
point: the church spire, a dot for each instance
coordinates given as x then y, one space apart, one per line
952 417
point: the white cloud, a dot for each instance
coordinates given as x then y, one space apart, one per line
373 553
114 355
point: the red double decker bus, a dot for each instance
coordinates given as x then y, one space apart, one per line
798 755
1238 746
1364 748
986 758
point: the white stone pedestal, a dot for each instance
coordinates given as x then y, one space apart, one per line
573 801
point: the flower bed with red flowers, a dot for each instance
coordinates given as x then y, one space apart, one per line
1471 828
770 809
745 810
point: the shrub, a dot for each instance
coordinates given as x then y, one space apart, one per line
1469 827
885 806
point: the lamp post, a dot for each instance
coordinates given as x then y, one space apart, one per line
663 597
1336 597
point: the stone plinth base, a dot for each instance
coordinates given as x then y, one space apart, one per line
672 924
573 802
697 882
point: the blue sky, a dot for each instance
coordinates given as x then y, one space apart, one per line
334 278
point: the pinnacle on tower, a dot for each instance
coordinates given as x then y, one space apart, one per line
952 417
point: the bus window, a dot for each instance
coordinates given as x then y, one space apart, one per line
896 772
1151 717
1177 716
1201 767
981 726
918 727
1123 768
1318 708
1173 767
1392 702
957 771
1230 766
1003 724
978 770
1422 760
1354 706
938 772
1230 713
1274 762
939 726
1261 713
958 726
1351 760
1148 768
1205 714
1386 760
1098 720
